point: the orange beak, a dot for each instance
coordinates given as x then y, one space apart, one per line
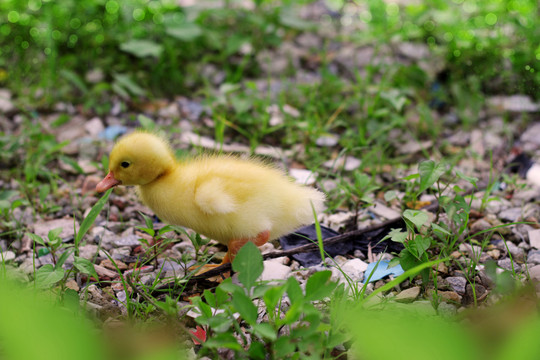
108 182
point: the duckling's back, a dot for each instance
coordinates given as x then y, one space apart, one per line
260 197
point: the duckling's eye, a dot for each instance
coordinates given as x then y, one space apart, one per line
124 164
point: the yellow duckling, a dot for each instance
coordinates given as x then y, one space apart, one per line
222 197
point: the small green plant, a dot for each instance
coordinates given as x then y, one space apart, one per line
419 235
50 274
297 331
158 242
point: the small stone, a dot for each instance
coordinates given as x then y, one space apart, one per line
42 228
348 163
450 296
534 238
303 176
359 254
533 257
384 211
477 143
6 105
289 110
94 76
516 103
88 252
408 295
94 126
171 266
473 251
509 265
328 140
480 225
72 284
89 184
274 270
104 272
534 273
107 263
129 240
442 268
6 256
512 214
480 293
457 283
354 269
414 146
494 253
518 254
338 220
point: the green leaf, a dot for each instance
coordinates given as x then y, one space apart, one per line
47 275
210 298
220 322
429 172
74 79
165 229
142 48
245 307
292 315
148 222
54 233
62 259
390 195
228 286
146 122
439 229
44 190
85 266
422 244
411 177
288 18
470 179
408 260
204 308
271 298
223 340
91 217
397 235
221 296
7 194
294 290
36 238
186 31
257 351
248 263
265 330
319 285
284 347
124 82
417 217
43 251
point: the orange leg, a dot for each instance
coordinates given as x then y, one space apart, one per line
234 246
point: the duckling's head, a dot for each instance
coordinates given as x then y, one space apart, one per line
138 159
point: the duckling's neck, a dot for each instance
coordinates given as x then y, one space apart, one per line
172 187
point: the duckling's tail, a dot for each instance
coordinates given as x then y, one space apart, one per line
312 201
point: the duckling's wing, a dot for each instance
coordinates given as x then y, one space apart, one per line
212 198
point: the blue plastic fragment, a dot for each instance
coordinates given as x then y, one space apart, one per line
381 271
112 132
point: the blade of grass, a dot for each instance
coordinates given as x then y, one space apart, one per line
89 220
319 233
